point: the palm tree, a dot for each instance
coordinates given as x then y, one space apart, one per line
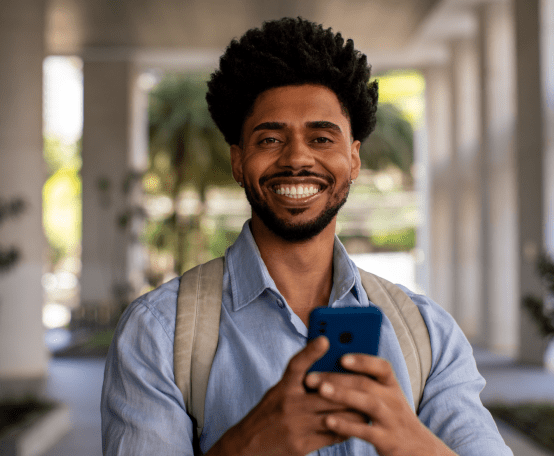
182 131
187 149
390 144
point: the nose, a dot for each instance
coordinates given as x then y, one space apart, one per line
296 155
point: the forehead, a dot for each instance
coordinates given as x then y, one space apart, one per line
297 104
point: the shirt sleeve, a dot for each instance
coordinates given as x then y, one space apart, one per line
142 408
451 407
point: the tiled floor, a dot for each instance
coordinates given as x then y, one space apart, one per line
78 384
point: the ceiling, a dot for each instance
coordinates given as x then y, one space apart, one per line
75 24
392 32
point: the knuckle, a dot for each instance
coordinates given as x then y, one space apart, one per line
295 366
297 446
384 366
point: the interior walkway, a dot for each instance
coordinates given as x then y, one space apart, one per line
78 383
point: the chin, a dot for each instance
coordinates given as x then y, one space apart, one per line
291 231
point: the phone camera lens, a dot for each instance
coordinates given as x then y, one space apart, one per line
345 338
322 331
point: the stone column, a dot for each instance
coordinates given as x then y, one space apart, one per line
438 102
466 189
498 173
547 58
529 166
107 138
23 355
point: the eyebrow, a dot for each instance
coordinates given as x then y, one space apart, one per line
316 125
323 124
269 126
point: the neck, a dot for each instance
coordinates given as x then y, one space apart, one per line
302 271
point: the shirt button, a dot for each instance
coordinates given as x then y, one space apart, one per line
280 304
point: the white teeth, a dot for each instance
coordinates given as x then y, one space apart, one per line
297 191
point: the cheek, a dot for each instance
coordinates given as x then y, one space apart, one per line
337 164
253 170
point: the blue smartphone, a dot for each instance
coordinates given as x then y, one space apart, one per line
349 330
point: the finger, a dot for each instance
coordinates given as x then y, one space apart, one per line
304 359
351 398
351 416
378 404
378 368
346 428
358 382
314 403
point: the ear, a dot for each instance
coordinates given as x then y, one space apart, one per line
356 163
236 162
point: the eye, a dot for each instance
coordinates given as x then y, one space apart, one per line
322 140
269 140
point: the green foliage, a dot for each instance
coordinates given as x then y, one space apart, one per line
542 314
185 145
398 240
220 240
9 256
58 154
101 339
186 150
61 195
391 143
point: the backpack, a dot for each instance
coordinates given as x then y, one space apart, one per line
197 332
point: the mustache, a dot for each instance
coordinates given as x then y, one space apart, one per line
302 173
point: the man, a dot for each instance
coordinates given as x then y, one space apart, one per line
294 102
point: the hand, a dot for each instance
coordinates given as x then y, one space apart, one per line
288 420
394 430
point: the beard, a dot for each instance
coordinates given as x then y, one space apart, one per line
296 232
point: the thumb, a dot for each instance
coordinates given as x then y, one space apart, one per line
303 360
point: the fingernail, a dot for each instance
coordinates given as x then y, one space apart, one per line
312 379
331 421
327 389
348 360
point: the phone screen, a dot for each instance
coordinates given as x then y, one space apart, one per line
349 330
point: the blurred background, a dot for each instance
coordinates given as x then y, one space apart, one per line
113 180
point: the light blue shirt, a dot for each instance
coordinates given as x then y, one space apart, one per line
143 412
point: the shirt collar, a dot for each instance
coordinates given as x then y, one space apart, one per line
250 278
247 271
346 278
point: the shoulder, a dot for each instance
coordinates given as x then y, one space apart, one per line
439 322
448 342
154 310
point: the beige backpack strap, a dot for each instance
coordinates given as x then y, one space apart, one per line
409 326
197 333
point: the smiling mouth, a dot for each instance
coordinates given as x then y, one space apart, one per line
296 191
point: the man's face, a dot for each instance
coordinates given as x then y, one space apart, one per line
296 160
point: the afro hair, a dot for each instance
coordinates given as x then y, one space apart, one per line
290 52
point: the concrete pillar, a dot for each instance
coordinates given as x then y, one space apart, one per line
499 198
529 166
107 138
547 59
438 112
466 189
423 237
23 356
